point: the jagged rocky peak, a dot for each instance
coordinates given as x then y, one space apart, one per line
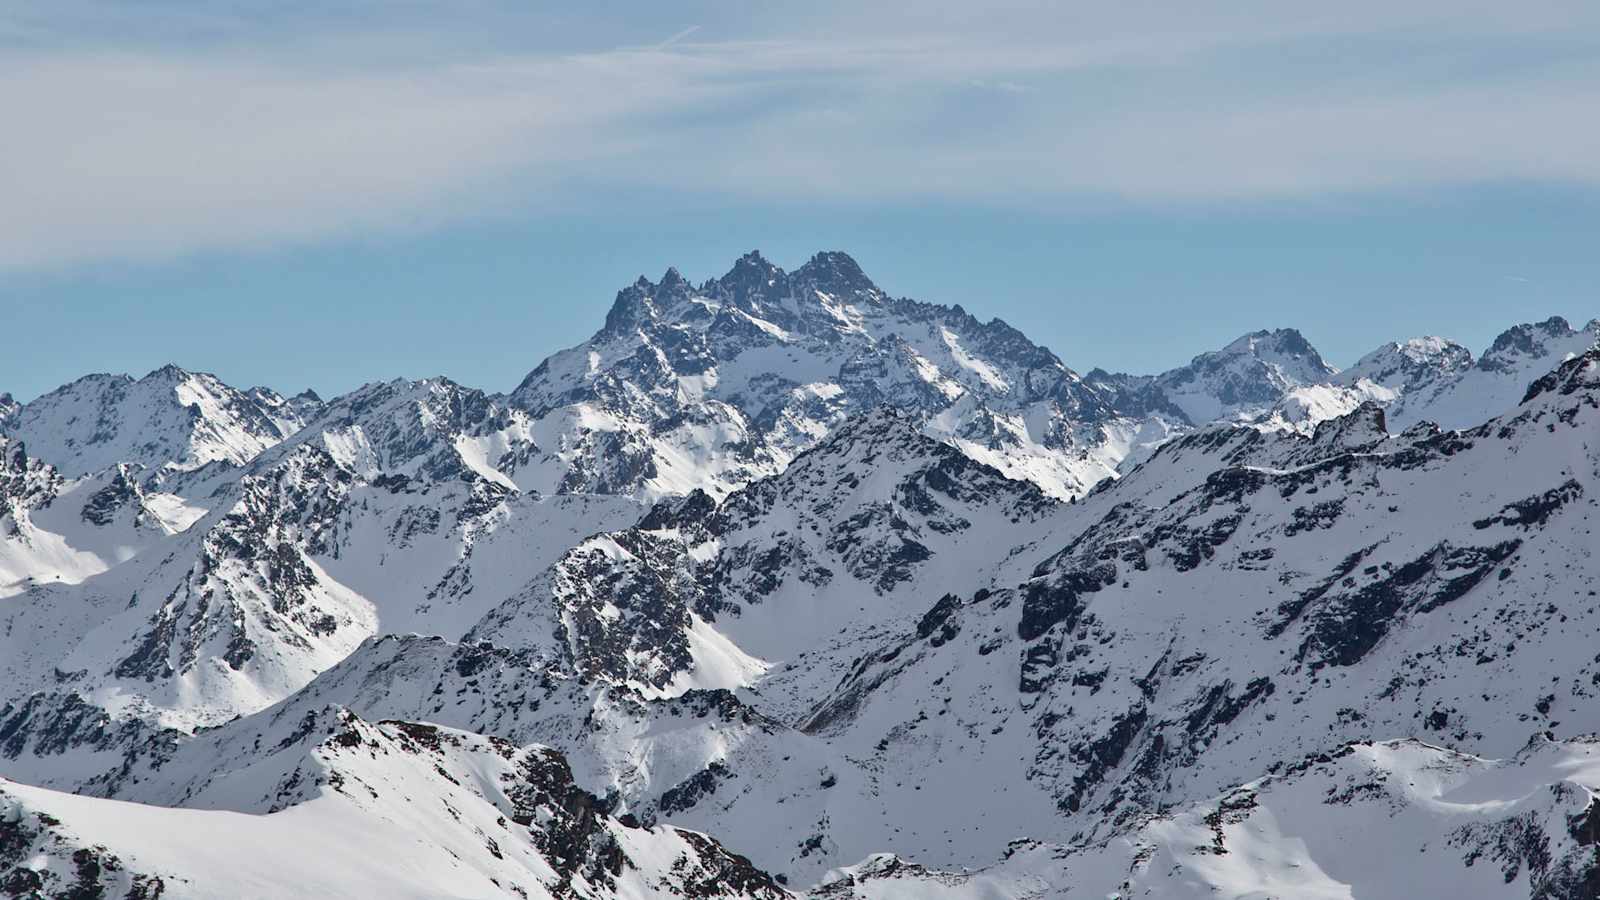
753 285
752 276
1243 380
1467 396
636 305
1403 366
1580 373
1286 348
834 272
299 409
8 409
400 425
826 304
1362 427
714 385
672 280
813 302
1533 341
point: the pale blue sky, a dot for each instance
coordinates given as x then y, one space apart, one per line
304 194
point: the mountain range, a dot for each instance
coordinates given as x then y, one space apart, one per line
779 586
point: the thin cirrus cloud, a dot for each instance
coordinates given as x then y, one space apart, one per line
162 148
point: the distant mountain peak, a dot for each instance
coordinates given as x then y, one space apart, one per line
171 417
631 308
755 366
753 277
1405 366
751 267
1275 342
1533 340
835 272
1245 378
672 279
170 372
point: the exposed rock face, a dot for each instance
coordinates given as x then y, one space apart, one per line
743 372
638 605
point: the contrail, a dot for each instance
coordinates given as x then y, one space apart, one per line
677 37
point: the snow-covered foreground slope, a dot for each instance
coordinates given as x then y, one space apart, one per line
479 818
390 809
1378 821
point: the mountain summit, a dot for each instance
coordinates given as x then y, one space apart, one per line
169 418
747 370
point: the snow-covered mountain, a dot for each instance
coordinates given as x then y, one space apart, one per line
1412 366
1498 377
714 385
1265 599
60 530
168 418
1239 382
380 516
853 533
780 586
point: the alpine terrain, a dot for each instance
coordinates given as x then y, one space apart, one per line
781 586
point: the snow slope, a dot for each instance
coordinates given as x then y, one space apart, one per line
1381 820
393 809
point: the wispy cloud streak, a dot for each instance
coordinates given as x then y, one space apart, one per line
162 147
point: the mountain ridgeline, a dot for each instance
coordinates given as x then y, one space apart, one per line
781 586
